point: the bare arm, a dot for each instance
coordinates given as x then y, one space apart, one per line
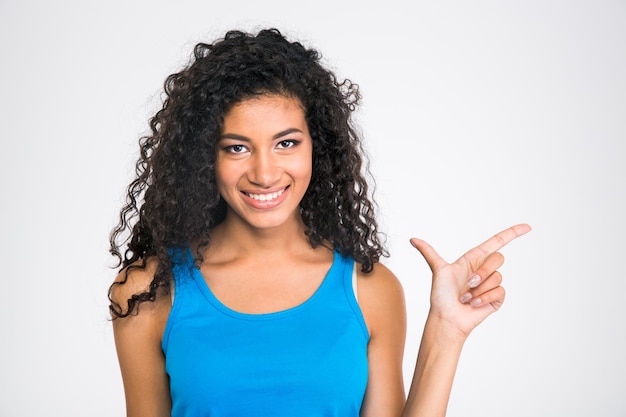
459 303
138 344
463 295
382 302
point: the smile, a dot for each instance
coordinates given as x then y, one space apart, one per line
265 197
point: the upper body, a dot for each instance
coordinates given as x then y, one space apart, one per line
380 301
254 165
309 359
259 260
277 288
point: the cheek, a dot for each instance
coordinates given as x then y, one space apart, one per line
309 169
307 163
222 177
302 169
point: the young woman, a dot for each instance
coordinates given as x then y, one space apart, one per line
250 281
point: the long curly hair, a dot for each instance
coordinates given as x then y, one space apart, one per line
174 198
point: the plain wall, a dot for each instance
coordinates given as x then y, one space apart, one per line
476 115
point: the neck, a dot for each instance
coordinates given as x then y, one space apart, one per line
235 236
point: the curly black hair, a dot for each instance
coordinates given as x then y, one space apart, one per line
174 198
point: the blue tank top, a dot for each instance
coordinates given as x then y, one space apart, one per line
310 360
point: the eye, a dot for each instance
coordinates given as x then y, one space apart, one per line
287 143
235 149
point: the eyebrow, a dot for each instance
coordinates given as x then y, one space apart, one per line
245 139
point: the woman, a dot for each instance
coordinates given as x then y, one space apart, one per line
250 280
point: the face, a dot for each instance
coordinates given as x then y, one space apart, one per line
264 161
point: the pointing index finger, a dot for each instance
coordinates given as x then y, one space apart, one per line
502 238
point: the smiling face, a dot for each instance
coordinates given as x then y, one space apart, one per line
264 161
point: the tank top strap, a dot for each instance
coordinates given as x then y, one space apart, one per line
347 275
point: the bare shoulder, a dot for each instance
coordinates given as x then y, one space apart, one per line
145 325
381 296
381 299
134 279
380 283
138 342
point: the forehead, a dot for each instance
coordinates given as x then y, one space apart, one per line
266 104
265 111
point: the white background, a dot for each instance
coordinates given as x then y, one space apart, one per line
477 115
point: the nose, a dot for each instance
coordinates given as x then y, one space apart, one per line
264 170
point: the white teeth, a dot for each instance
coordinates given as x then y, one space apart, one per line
265 197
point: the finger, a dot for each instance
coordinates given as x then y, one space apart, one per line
476 255
429 253
499 240
492 281
491 264
494 298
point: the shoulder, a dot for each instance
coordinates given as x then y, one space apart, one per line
138 341
381 297
136 279
133 279
381 283
145 324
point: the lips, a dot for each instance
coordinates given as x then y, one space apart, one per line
266 200
266 196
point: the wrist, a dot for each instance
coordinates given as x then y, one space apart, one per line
444 331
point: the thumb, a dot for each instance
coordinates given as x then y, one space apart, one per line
434 261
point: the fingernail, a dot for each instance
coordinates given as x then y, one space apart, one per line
476 302
474 281
466 297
